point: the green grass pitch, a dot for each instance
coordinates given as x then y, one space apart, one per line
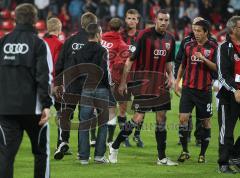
132 162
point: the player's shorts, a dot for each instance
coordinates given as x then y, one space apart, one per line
202 100
150 103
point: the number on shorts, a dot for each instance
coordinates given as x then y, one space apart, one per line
209 108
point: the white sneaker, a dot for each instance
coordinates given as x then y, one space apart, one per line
101 160
62 148
84 162
166 162
92 143
113 154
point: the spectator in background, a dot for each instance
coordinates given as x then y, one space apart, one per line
236 5
103 9
120 8
130 4
155 7
144 8
75 11
192 11
42 6
181 9
90 6
64 17
205 7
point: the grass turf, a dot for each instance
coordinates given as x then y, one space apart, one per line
132 162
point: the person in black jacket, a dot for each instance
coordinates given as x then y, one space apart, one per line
66 105
229 97
95 94
25 77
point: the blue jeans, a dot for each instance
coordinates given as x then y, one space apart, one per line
91 99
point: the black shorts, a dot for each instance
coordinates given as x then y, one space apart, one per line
202 100
150 103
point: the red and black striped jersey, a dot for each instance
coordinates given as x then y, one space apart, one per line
197 75
153 51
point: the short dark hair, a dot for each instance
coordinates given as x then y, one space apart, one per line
26 13
88 18
93 29
115 24
204 24
162 11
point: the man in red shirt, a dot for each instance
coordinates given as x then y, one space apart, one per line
54 28
118 53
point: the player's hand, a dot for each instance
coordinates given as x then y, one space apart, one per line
199 56
177 89
237 96
122 88
58 91
170 82
44 117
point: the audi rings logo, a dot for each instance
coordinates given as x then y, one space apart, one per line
19 48
77 46
159 52
195 59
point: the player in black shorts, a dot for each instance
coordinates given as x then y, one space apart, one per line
197 68
153 58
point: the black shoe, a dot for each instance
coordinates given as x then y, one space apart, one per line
235 163
183 157
226 169
138 141
61 150
127 143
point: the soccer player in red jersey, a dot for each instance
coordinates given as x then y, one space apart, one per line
197 68
118 53
54 29
153 56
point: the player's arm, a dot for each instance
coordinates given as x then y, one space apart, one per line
177 88
169 70
123 85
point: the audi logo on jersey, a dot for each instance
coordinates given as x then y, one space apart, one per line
132 48
159 52
195 59
77 46
236 58
12 48
106 44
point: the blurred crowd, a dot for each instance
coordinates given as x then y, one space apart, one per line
182 13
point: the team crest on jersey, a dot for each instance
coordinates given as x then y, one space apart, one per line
167 46
236 58
207 52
